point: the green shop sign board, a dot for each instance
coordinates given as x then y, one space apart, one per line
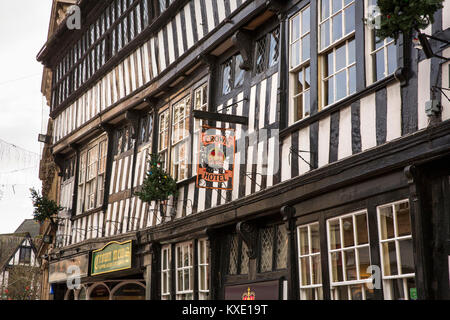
112 257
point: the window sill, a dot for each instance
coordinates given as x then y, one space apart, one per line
337 106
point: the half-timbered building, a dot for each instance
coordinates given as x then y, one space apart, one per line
19 266
340 171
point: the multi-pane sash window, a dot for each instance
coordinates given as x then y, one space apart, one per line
203 269
232 74
337 50
91 176
383 53
184 271
267 51
309 262
180 135
165 272
396 249
163 132
349 257
25 255
299 66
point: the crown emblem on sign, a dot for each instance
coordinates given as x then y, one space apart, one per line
249 295
216 158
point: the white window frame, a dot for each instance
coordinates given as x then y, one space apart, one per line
395 239
303 65
203 265
183 293
323 52
318 291
371 51
163 136
180 137
341 250
97 179
166 272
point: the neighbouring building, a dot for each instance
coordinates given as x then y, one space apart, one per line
19 266
338 167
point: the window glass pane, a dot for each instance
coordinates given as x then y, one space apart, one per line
389 258
350 265
315 238
306 21
364 262
337 27
361 229
403 219
351 52
305 272
282 246
238 72
350 19
266 239
380 72
244 259
274 47
260 62
305 48
411 285
352 79
341 84
329 64
386 223
341 57
335 235
406 256
347 224
295 54
307 104
392 58
226 87
325 34
304 241
232 267
336 266
295 28
325 9
356 292
337 5
316 269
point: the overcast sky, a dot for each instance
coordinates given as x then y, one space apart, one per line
23 31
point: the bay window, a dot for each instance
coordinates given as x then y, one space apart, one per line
309 262
184 271
299 66
396 250
349 257
337 66
91 176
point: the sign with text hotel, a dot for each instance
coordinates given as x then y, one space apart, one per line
112 257
216 158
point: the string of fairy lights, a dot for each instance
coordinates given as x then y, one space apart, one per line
18 167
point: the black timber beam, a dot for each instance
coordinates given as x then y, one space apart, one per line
229 118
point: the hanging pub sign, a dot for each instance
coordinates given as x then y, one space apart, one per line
216 158
112 257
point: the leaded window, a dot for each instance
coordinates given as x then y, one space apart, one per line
310 269
232 74
396 250
267 51
238 256
300 74
273 242
349 257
